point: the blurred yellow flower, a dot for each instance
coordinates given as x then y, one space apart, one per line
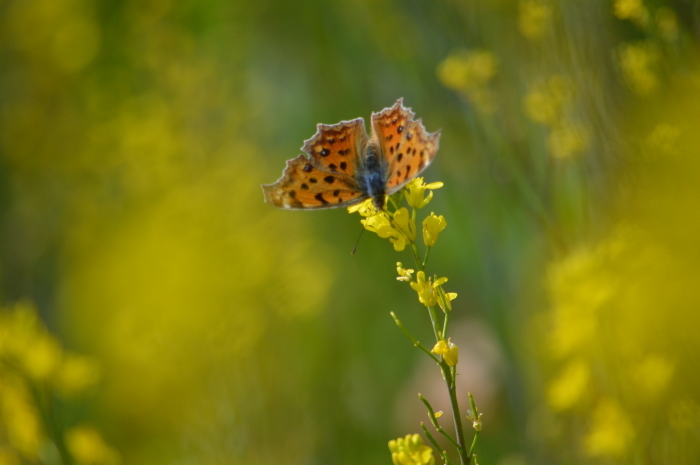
570 386
651 376
411 451
610 432
19 417
567 139
662 141
637 62
580 288
76 373
470 72
633 10
544 103
42 357
667 23
534 17
87 447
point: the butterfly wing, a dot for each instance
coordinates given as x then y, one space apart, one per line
324 179
405 143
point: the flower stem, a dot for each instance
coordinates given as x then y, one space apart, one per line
452 389
436 424
413 339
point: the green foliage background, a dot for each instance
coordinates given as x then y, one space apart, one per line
134 136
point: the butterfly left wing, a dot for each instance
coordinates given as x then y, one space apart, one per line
324 179
304 186
405 143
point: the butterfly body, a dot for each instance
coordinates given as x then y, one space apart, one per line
345 167
372 176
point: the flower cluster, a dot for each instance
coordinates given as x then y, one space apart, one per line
34 367
398 224
411 451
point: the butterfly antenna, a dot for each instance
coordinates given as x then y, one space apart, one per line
354 249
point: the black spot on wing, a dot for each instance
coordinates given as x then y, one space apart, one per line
320 198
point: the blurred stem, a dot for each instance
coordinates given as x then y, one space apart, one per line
45 405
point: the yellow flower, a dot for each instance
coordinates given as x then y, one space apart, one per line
405 224
415 192
427 290
445 299
411 451
432 225
86 446
405 274
365 208
448 350
402 232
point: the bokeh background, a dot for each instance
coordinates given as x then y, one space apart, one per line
156 311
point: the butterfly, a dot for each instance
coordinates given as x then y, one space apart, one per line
343 167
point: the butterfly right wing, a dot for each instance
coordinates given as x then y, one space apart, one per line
326 178
405 143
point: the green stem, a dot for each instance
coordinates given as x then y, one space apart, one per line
444 324
425 259
432 440
436 424
452 389
416 257
413 339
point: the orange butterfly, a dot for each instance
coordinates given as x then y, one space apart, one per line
345 167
